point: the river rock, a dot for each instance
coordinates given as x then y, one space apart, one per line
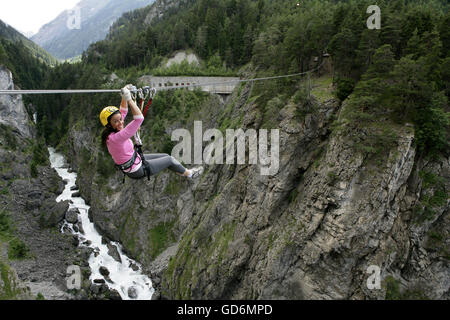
87 242
113 252
133 266
80 227
72 215
73 188
76 194
66 229
104 271
114 295
99 281
132 293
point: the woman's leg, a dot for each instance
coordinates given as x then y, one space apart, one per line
151 156
161 161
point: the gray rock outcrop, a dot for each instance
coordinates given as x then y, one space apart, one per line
12 109
72 215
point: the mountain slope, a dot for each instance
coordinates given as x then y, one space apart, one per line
96 16
9 33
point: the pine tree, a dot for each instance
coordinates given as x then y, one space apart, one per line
343 49
444 34
370 96
367 45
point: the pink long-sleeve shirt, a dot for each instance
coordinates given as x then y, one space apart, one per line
120 145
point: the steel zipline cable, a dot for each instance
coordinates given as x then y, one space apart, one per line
70 91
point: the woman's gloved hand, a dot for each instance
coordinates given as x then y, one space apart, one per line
125 93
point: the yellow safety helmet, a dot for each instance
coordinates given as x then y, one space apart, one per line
106 113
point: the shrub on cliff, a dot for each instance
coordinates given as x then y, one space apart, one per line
17 249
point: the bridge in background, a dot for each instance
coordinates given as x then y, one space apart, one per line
214 87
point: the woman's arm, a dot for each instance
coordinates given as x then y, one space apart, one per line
138 118
134 108
124 108
128 101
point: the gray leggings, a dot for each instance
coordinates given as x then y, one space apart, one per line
158 162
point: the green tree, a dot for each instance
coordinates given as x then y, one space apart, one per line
343 48
414 99
444 33
370 96
446 76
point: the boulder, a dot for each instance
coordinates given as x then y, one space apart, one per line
87 243
52 213
114 295
113 252
72 215
80 227
133 266
104 271
99 281
132 293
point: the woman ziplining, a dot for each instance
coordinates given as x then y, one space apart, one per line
117 138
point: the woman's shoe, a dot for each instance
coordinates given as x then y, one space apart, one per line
195 173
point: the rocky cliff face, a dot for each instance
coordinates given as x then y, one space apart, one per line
12 109
315 230
159 7
33 253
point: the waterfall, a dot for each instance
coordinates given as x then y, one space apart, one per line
125 277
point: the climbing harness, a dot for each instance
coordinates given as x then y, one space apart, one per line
127 165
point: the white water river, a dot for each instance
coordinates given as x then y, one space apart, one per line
122 277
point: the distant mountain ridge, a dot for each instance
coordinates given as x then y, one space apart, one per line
9 33
62 37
